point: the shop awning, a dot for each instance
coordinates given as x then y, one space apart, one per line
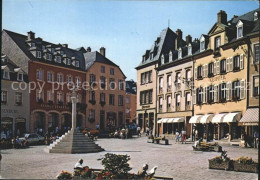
195 119
206 118
159 121
232 117
170 120
178 120
251 117
218 118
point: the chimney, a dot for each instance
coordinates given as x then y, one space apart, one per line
31 35
103 51
88 49
222 17
188 39
179 33
235 16
65 45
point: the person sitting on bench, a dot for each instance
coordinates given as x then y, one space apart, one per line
79 165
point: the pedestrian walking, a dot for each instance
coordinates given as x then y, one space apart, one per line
147 131
176 136
183 134
138 131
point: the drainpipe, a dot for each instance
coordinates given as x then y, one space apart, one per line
155 119
192 107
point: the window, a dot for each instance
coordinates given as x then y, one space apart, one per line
236 90
103 82
211 70
120 100
92 96
112 71
146 97
59 78
223 66
200 72
3 96
68 61
180 54
112 83
79 98
188 99
43 47
256 86
69 79
49 76
178 101
20 76
217 42
178 78
92 114
102 69
202 45
32 44
58 58
256 16
169 99
200 95
52 50
92 78
48 56
160 103
60 97
161 85
68 97
162 59
188 74
190 50
257 53
236 63
150 75
223 92
143 78
111 99
78 81
39 95
169 83
38 54
127 100
170 56
50 96
121 85
77 63
6 74
211 94
39 75
239 32
150 96
102 97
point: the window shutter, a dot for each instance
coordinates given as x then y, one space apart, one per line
242 89
194 95
195 73
205 95
242 61
206 70
218 67
227 64
216 93
231 64
215 67
202 70
227 91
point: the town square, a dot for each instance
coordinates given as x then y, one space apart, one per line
129 90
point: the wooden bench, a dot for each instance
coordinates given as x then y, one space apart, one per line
157 140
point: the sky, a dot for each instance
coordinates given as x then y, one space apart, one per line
125 28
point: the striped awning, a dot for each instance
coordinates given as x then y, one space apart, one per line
178 120
232 117
218 118
206 118
159 121
165 120
251 117
170 120
195 119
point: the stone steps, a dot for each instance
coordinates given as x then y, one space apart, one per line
73 142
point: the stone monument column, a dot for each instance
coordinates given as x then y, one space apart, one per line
74 108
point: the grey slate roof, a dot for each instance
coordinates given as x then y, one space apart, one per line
130 87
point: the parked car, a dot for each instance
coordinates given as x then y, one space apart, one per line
33 138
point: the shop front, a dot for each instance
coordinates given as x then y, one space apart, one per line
170 125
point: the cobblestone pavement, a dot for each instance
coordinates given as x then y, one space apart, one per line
175 160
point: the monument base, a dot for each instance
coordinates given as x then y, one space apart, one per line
73 142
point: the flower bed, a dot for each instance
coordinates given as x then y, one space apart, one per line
218 163
245 164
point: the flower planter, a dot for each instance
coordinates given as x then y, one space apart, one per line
223 165
241 167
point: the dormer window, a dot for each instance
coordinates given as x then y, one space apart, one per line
68 61
143 59
43 47
151 55
20 76
52 50
6 74
239 29
38 54
61 52
190 50
170 56
48 57
255 16
202 45
58 58
217 42
32 44
77 63
162 59
179 54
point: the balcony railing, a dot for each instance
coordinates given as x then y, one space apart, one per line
210 75
236 68
235 98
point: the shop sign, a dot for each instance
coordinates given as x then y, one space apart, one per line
10 111
144 107
217 78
